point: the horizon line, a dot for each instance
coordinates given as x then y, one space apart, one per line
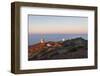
57 33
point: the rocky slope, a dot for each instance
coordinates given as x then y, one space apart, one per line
69 49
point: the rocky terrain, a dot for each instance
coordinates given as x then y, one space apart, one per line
68 49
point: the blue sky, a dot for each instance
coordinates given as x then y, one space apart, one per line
39 24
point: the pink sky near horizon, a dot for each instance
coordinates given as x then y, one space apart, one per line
53 24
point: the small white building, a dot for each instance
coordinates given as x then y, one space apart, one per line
42 41
63 39
49 45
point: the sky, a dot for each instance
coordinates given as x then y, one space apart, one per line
39 24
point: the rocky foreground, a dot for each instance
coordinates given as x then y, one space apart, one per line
68 49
